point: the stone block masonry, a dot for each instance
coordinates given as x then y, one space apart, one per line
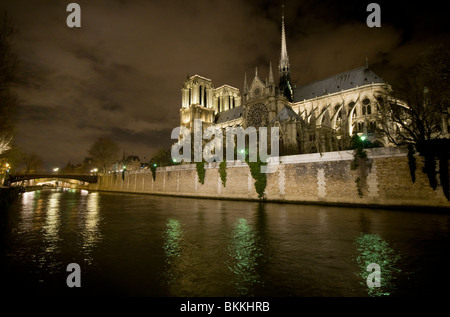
325 178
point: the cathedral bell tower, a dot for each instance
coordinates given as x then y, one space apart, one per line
285 77
197 102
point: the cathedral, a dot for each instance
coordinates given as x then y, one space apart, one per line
317 117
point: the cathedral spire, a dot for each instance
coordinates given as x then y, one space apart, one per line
284 59
271 81
245 84
285 76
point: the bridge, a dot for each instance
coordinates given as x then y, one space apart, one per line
18 177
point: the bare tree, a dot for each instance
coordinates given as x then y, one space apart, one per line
8 69
415 112
5 141
104 152
162 157
415 109
32 161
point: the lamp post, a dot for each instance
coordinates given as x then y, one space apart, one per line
242 151
363 138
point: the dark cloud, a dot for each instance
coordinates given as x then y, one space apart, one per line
120 74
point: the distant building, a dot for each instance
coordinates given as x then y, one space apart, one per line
128 163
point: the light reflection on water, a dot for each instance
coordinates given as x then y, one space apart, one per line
52 223
41 218
165 246
174 235
90 231
373 249
244 253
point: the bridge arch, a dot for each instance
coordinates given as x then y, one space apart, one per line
19 177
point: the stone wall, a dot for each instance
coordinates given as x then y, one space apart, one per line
310 178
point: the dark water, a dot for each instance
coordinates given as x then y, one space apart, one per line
137 245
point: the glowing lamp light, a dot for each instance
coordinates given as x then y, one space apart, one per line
56 169
363 137
154 165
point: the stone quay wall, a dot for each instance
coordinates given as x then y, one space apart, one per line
319 178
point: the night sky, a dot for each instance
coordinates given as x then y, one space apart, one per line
120 74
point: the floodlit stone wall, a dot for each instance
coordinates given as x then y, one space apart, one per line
324 178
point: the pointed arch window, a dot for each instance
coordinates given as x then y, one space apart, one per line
351 105
366 108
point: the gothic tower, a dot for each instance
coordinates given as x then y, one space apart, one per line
197 102
285 77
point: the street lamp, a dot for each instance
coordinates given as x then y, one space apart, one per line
363 138
56 169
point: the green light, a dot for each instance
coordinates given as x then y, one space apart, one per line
373 249
154 165
363 137
244 252
174 236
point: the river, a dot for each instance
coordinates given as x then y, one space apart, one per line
142 245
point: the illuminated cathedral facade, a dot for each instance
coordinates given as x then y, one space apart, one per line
317 117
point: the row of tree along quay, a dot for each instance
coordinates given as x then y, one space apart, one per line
415 113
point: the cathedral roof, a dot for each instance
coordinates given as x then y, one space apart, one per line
285 114
350 79
230 114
